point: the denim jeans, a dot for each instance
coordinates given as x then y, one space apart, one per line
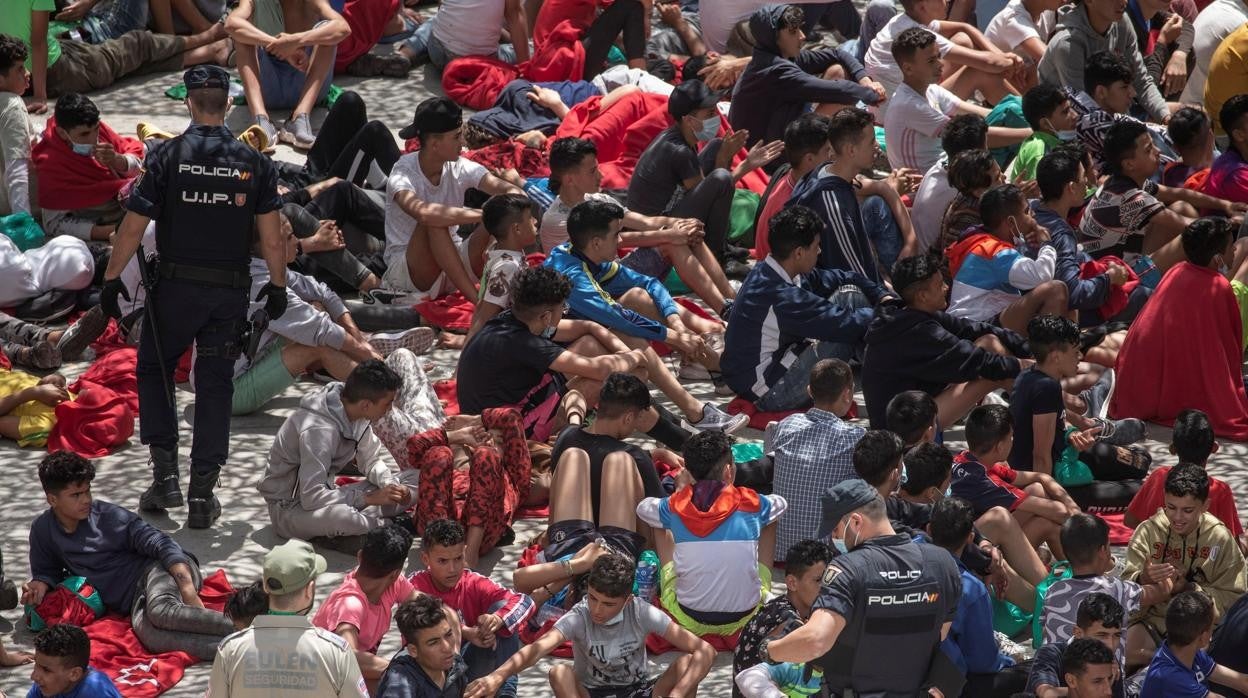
790 392
424 45
882 229
281 84
482 661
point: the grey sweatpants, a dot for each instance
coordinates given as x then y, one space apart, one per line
293 521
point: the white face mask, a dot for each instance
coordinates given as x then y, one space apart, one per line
709 128
1222 268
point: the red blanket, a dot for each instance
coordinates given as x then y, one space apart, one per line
580 13
560 56
1118 295
1184 350
98 420
453 312
68 181
116 650
475 81
367 20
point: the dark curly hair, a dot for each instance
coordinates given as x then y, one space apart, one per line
1188 480
61 469
421 613
248 602
971 171
927 465
622 393
12 52
806 554
910 41
74 110
706 453
536 288
385 550
371 380
67 641
877 454
444 533
796 226
909 272
612 575
1049 333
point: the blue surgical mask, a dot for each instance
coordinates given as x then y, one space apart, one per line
82 148
839 544
710 128
949 491
905 477
1222 268
1067 136
549 332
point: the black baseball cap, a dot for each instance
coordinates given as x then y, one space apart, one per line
434 115
689 96
203 77
842 498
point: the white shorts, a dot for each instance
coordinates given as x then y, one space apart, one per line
398 278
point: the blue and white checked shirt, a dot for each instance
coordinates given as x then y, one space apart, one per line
813 451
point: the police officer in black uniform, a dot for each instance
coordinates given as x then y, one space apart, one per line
209 194
884 608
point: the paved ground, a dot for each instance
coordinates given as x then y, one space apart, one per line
243 534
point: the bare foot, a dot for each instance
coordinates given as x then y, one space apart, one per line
450 340
12 658
327 238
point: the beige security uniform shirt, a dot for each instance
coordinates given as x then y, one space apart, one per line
285 657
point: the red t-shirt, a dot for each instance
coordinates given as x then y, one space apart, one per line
1152 496
780 195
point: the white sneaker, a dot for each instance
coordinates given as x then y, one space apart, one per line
417 340
715 419
692 370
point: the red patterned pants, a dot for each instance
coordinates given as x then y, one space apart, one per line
497 481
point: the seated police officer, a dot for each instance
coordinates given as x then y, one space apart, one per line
206 191
885 605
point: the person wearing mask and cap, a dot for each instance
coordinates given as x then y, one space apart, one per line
282 655
700 181
425 203
782 80
885 606
206 192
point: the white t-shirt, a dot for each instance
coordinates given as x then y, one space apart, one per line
458 177
1212 25
501 266
930 203
879 57
719 16
16 135
914 123
554 230
620 75
469 27
1014 25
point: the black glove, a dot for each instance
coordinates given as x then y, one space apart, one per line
274 300
108 297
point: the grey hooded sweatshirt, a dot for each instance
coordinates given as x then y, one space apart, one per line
1075 41
315 444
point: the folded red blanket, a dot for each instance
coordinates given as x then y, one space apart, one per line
68 181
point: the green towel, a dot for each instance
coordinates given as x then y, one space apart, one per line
615 56
741 220
178 92
1007 113
879 139
23 231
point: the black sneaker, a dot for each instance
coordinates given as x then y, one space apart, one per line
8 595
732 251
347 545
736 270
161 495
203 512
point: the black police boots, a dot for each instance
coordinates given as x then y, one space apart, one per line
203 506
164 493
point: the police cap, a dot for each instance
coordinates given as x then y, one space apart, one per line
434 115
842 498
203 77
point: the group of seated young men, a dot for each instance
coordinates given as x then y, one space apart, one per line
1047 261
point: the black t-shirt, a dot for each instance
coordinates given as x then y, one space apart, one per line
1035 393
598 447
1046 668
662 169
501 364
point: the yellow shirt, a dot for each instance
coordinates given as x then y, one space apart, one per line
35 419
1228 74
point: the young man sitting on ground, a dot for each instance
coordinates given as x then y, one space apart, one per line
634 305
1052 119
661 242
1191 132
981 476
286 61
359 608
516 362
790 314
1062 179
814 450
1192 441
429 664
914 344
138 570
80 167
922 105
1085 540
1089 668
1205 557
806 148
1181 667
510 220
804 565
491 614
927 211
716 560
994 281
425 203
327 433
1228 176
62 668
608 631
1131 213
1099 617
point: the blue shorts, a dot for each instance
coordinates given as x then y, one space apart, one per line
281 83
648 261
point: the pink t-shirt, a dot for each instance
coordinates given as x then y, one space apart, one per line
348 604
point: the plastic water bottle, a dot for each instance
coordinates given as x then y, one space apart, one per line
646 582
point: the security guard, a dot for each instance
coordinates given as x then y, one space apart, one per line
885 604
282 655
207 192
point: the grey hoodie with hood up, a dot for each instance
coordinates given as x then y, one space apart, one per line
1075 41
315 444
